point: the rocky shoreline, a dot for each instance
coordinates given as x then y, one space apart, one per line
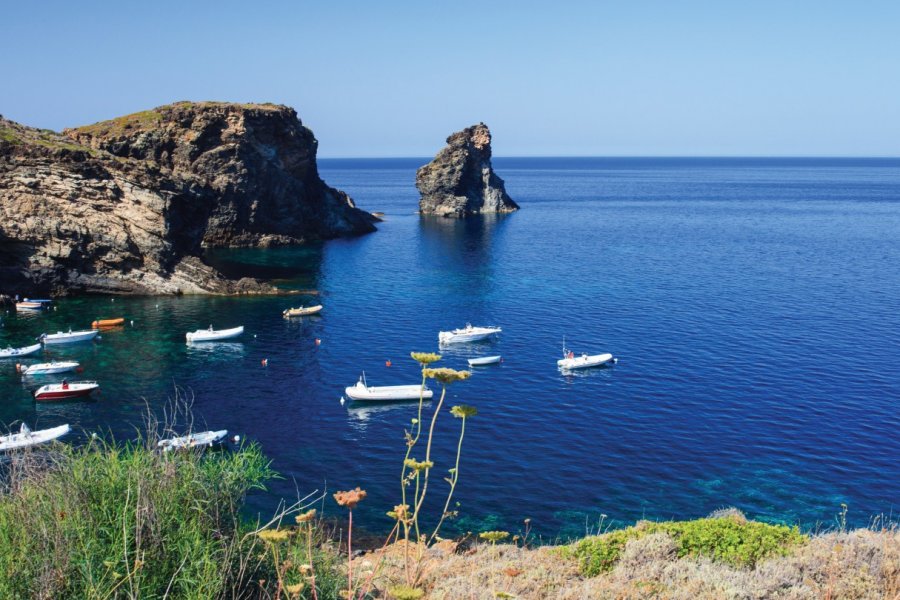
127 206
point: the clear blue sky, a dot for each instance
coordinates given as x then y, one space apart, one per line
382 78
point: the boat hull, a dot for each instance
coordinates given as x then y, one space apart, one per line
484 360
193 440
32 438
586 362
387 393
56 392
70 337
50 368
16 352
205 335
469 334
108 323
29 306
302 312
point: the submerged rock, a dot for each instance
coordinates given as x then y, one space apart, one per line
128 205
460 180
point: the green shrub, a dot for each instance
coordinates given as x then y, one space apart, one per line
105 521
724 540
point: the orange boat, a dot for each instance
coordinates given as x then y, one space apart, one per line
108 323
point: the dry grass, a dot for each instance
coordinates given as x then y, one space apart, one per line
861 564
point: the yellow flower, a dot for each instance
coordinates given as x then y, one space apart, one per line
294 589
461 411
405 592
425 358
400 512
306 517
494 536
447 376
273 535
416 465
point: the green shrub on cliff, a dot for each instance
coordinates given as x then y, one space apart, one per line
733 541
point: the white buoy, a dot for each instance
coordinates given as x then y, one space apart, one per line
237 438
254 336
342 400
157 307
132 322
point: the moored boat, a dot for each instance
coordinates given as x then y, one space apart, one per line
69 337
26 437
469 333
213 335
193 440
65 390
484 360
29 306
49 368
362 391
101 323
23 351
302 312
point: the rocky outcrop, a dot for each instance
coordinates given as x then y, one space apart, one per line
128 205
460 180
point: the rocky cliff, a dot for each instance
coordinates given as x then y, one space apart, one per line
460 180
128 205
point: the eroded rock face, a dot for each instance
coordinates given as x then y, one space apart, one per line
127 206
460 180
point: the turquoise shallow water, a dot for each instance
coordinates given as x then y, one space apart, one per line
754 305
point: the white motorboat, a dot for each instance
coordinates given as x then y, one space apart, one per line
26 437
65 390
193 440
29 306
48 368
484 360
24 351
570 362
214 335
469 333
362 391
69 337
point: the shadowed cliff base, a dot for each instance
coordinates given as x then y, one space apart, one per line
127 206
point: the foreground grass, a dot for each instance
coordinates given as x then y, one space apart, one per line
124 521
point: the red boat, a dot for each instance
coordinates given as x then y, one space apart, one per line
65 390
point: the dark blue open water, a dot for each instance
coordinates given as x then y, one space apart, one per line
754 305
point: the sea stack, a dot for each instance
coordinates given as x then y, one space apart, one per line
460 180
128 206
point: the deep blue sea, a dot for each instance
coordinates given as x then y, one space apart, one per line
754 305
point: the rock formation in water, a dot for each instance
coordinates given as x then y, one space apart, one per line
460 180
128 205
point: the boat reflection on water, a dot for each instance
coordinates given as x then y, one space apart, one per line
216 349
362 414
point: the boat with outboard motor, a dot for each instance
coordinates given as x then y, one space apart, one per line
49 368
362 391
23 351
69 337
214 335
26 437
200 439
469 333
302 312
65 390
570 362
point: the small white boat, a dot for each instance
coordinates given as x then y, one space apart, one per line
469 333
24 351
570 362
65 390
214 335
302 312
48 368
362 391
193 440
484 360
70 337
27 437
29 306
